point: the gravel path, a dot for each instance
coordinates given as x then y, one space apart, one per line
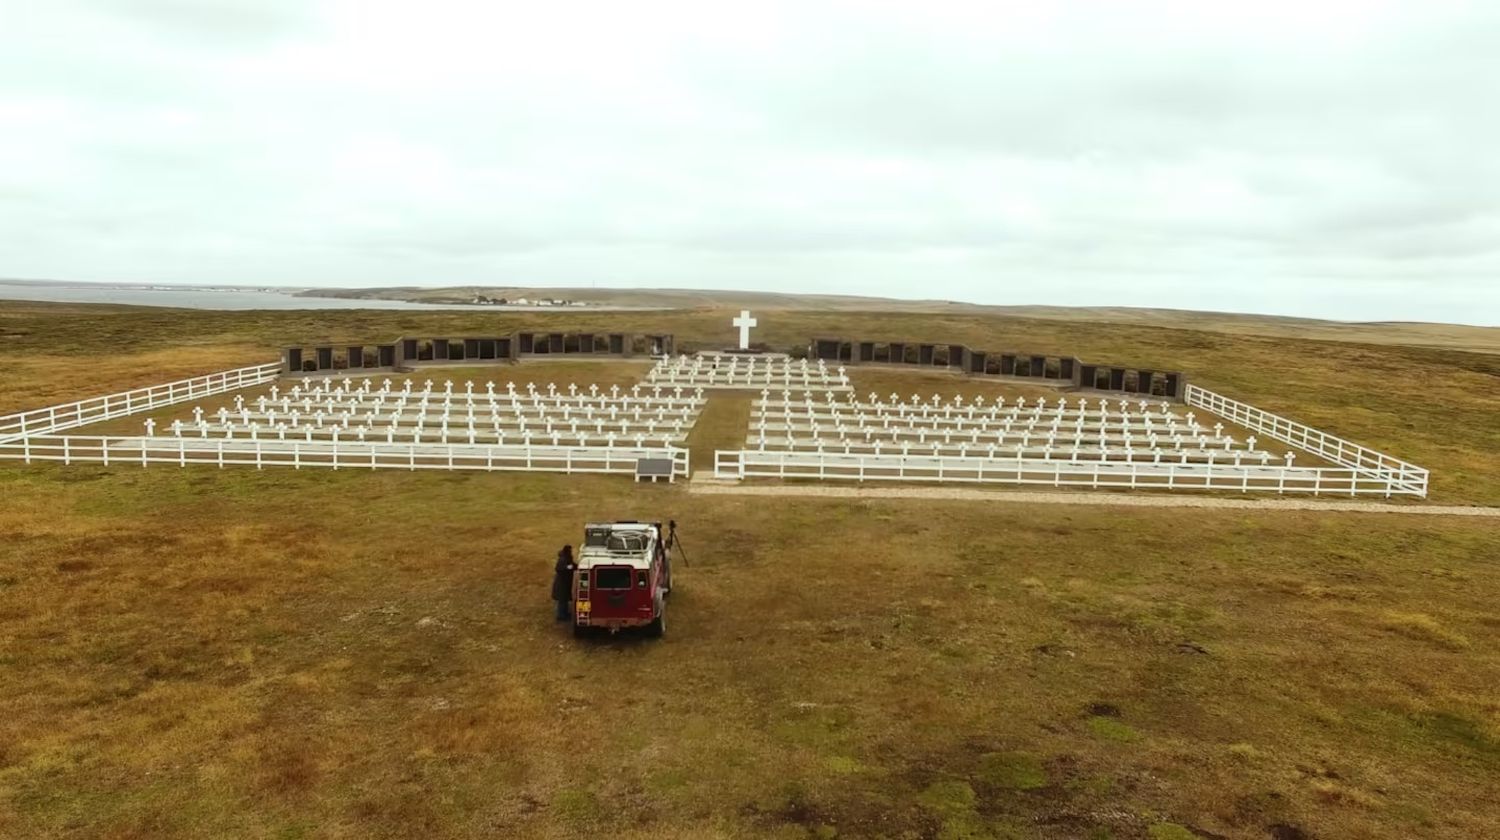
711 487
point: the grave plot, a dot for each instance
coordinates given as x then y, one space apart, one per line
746 371
359 410
1064 440
361 423
1078 429
947 384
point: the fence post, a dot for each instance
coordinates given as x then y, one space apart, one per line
221 453
67 455
296 455
257 454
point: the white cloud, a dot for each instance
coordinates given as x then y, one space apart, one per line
1323 158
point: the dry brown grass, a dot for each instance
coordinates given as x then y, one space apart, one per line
34 382
200 652
1424 627
195 651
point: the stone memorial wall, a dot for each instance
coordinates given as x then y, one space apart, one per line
1094 376
410 352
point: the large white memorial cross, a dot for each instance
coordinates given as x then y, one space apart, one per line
745 322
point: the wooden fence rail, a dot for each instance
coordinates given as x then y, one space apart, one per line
260 453
1409 479
71 415
749 463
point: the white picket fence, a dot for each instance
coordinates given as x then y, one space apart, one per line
742 464
56 418
1404 478
259 453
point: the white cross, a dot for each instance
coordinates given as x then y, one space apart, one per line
745 322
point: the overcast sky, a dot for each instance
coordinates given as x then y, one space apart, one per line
1314 157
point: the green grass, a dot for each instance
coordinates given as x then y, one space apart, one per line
1110 729
1013 770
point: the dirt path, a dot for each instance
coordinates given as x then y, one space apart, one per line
711 487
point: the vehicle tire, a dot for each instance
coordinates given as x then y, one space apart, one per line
658 626
579 630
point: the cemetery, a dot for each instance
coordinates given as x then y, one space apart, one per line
805 423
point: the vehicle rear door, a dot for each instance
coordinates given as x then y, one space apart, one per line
612 592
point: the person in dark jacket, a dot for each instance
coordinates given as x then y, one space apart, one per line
562 582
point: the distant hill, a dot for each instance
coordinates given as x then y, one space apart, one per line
1420 334
653 298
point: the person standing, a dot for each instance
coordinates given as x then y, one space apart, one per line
562 583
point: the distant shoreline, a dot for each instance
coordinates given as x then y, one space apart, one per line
240 298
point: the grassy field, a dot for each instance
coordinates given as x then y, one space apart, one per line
197 652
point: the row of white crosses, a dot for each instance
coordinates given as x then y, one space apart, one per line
573 433
729 371
326 390
329 411
534 405
1142 430
954 416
